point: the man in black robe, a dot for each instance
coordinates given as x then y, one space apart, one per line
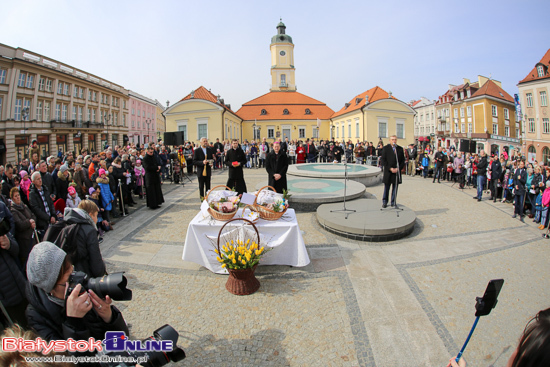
276 165
392 161
235 159
201 156
152 179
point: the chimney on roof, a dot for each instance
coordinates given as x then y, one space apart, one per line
389 94
219 99
228 106
367 99
193 94
167 104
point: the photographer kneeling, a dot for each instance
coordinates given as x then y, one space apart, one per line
80 316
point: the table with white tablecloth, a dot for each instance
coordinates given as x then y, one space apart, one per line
282 236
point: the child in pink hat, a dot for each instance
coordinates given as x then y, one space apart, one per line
72 198
140 172
25 182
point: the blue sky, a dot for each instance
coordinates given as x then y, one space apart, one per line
164 49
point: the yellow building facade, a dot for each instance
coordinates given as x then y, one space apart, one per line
372 116
202 114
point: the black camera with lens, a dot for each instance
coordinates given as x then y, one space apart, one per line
149 358
112 285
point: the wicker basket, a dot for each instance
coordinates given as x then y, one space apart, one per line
216 214
264 212
241 282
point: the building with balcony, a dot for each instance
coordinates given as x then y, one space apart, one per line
533 96
62 107
425 121
202 114
372 116
481 111
142 128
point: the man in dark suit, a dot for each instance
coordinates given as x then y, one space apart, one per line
392 161
311 152
235 159
496 172
520 179
200 159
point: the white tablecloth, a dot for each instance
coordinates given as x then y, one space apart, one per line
283 236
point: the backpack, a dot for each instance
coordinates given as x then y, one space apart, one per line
425 161
63 234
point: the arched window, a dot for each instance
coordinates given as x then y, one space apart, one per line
285 111
264 112
532 149
545 156
283 80
308 111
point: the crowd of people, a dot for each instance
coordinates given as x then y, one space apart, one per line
54 211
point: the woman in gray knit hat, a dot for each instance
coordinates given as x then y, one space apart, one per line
81 316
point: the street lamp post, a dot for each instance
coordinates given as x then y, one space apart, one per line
148 122
106 119
254 126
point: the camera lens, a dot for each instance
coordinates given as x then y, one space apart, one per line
112 285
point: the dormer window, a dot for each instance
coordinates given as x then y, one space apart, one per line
285 111
357 100
540 71
347 105
263 112
308 111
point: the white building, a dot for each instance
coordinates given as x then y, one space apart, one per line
425 118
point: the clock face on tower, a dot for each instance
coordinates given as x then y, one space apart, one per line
282 53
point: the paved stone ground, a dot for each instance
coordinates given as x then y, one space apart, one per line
403 303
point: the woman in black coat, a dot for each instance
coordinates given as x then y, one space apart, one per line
153 188
25 223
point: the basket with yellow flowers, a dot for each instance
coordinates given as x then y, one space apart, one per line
239 252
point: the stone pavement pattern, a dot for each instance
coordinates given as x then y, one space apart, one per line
403 303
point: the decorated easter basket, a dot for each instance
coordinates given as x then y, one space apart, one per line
264 212
216 214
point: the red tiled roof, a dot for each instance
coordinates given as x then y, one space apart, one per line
276 102
358 101
490 88
203 93
533 74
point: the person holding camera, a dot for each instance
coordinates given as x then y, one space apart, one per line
56 314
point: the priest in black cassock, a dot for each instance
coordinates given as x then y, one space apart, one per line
276 165
235 159
152 179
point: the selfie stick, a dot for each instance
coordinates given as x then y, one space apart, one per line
467 340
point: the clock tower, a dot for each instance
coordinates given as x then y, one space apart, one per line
282 61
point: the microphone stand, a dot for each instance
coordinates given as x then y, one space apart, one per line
344 210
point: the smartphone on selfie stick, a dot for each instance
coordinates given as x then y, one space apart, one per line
484 305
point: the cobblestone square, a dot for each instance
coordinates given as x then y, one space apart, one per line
402 303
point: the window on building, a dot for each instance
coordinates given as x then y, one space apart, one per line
495 129
470 128
382 129
308 111
507 131
349 130
3 73
66 89
80 108
58 111
456 113
432 115
540 71
139 114
39 107
18 107
456 127
447 112
315 132
545 155
81 93
357 129
517 133
22 79
74 112
283 80
531 123
343 131
285 111
468 93
133 123
543 99
469 111
545 126
421 118
30 81
494 110
400 130
93 115
59 87
461 111
46 111
263 112
64 112
75 92
506 114
461 94
532 149
529 97
49 85
302 132
463 128
124 120
41 83
270 132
